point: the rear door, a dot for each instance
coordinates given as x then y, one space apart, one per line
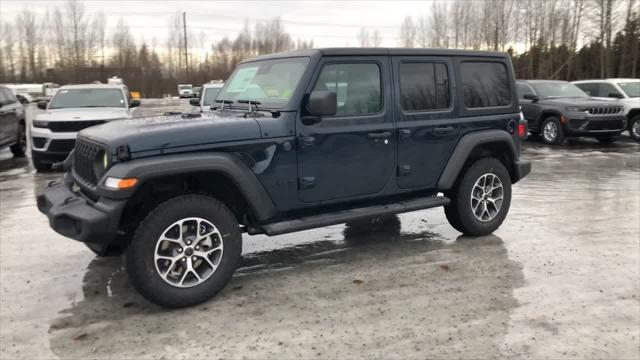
350 154
427 126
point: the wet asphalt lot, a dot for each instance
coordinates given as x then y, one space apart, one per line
559 279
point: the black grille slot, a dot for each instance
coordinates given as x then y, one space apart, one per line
39 142
604 110
85 156
72 126
61 145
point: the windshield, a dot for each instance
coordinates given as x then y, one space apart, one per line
78 98
185 87
271 82
210 95
632 89
558 89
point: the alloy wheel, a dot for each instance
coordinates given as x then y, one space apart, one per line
486 197
188 252
550 131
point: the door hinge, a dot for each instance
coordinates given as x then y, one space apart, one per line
404 170
306 182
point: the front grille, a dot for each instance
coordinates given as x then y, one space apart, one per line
85 156
604 110
61 145
72 126
605 125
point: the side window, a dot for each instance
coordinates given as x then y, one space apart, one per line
606 89
424 86
485 84
523 89
357 87
8 96
3 98
590 89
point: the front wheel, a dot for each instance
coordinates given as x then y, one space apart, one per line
185 251
634 128
20 147
552 132
480 200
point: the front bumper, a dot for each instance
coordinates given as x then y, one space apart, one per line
75 216
596 125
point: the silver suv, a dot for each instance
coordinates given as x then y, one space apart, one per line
627 91
208 95
73 108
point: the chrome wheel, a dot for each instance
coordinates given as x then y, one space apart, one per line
550 131
486 197
635 129
188 252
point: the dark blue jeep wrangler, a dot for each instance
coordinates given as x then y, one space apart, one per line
296 141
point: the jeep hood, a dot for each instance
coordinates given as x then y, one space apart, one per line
83 114
173 133
583 101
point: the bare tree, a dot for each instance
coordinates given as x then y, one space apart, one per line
424 31
408 33
363 37
99 29
27 34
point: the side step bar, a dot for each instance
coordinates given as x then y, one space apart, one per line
343 216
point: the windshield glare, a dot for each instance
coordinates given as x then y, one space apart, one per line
558 89
78 98
210 96
271 82
632 89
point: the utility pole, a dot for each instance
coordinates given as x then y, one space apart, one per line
186 56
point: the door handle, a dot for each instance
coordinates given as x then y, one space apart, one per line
443 130
307 141
379 135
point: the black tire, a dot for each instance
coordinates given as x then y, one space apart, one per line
635 124
38 164
606 139
459 212
20 148
559 138
140 253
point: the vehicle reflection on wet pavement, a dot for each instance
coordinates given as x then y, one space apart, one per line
560 278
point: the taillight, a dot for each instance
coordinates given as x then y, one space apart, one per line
522 130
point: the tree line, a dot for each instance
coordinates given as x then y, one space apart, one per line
560 39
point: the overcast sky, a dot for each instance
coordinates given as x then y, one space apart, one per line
327 23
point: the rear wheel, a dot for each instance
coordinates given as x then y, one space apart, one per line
20 148
552 132
634 128
185 251
480 200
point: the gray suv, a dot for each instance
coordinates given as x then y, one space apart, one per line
559 109
12 125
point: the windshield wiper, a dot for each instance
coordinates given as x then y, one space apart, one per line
253 108
222 101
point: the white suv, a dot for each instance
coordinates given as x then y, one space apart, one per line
208 95
73 108
627 91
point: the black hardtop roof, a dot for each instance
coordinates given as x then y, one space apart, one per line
381 52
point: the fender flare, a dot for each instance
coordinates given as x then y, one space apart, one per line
227 164
464 149
544 114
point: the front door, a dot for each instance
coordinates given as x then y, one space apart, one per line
530 110
350 154
428 127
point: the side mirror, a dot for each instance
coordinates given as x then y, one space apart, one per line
320 103
194 102
134 103
615 94
42 104
532 97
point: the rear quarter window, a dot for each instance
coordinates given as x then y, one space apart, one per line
485 84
